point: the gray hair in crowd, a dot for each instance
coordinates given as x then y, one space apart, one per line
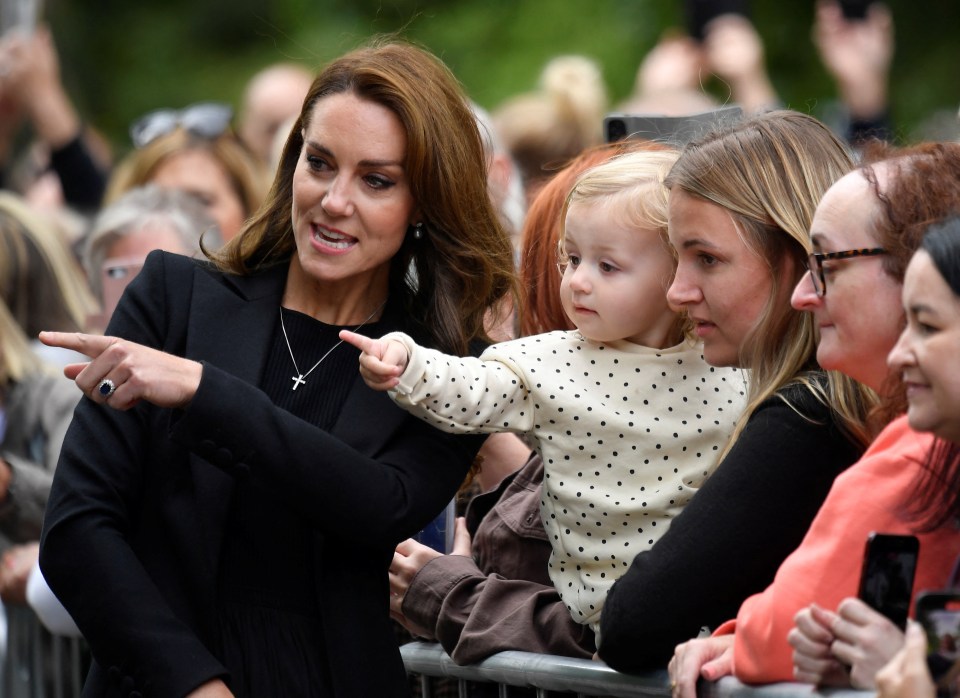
144 207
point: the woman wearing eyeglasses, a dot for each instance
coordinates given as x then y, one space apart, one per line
864 232
194 150
229 497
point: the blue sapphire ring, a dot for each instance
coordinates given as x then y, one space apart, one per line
106 387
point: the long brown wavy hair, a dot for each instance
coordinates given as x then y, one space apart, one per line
463 265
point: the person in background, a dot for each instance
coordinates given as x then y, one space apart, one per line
194 150
672 77
272 99
503 175
31 90
741 201
228 530
865 230
142 220
36 407
858 52
669 79
546 127
733 51
41 281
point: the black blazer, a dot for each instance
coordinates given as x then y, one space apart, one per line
136 516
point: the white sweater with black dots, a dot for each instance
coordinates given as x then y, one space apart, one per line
627 434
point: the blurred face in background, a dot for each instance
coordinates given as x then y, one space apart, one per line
153 236
199 173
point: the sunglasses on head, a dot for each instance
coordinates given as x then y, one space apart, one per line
205 119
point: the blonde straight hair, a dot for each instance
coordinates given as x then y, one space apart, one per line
632 187
17 359
41 281
770 172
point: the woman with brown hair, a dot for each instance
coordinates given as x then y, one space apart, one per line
230 495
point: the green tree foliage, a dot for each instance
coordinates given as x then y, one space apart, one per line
121 59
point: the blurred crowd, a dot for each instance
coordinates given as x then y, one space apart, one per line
77 223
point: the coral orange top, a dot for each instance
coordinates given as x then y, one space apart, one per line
826 567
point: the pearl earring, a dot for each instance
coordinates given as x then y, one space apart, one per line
418 231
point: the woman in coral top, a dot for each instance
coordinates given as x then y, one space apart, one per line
864 232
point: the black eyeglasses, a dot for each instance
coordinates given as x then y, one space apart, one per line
815 264
204 119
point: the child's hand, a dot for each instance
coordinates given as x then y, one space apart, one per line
381 363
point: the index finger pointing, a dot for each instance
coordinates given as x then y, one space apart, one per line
361 342
91 345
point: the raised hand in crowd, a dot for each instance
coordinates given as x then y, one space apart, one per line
858 54
733 51
30 75
674 63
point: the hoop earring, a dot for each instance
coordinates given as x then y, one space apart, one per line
418 231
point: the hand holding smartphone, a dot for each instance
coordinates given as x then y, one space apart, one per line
886 581
939 614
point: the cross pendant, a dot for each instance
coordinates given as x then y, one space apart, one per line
297 381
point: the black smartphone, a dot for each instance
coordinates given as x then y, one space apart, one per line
699 13
855 9
886 581
939 613
675 130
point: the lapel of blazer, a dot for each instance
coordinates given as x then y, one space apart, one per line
364 406
230 327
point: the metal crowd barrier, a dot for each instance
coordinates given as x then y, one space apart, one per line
547 673
39 664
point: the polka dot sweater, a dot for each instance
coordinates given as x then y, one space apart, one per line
627 435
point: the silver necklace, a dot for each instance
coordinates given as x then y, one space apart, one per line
299 379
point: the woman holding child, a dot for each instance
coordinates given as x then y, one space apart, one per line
626 414
226 528
865 231
801 428
741 201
